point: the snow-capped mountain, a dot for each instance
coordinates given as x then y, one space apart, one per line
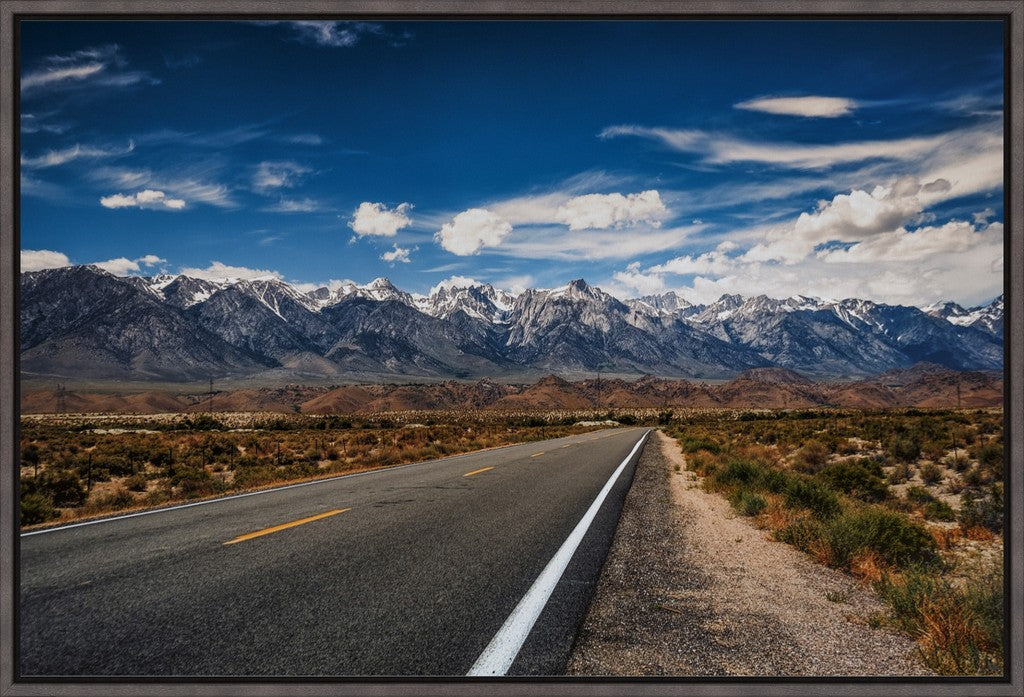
85 322
988 318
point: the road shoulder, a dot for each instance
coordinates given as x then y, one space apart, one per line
691 589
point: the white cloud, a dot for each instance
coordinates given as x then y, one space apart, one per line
288 205
397 254
101 66
551 243
821 107
603 211
471 230
119 267
147 198
54 74
218 271
983 215
645 283
151 260
54 158
716 261
377 220
276 175
455 282
191 187
334 34
39 259
955 238
724 149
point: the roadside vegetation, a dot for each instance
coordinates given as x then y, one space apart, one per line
74 467
909 501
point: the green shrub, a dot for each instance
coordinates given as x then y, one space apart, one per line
821 501
918 494
986 512
900 473
812 456
747 502
905 449
898 541
739 472
939 510
861 479
931 473
692 445
36 508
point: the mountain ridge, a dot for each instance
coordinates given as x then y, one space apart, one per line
86 322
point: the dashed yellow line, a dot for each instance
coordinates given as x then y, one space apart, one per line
537 454
482 469
284 526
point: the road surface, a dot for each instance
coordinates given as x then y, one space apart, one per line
427 569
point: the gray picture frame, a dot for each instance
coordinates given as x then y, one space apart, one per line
1012 11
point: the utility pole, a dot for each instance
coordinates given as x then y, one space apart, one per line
62 405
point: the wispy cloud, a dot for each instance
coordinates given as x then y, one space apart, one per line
294 205
304 139
333 34
269 176
55 158
100 66
717 148
808 107
189 185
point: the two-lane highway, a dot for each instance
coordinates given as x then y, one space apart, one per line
482 562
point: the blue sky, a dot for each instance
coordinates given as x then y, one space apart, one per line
833 159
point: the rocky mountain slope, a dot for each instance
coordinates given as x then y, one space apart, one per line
83 322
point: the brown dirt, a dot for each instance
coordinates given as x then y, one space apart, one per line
691 589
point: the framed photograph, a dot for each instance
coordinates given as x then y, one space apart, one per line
511 348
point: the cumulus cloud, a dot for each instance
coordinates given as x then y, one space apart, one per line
218 271
454 282
849 218
716 262
645 283
375 219
55 158
602 211
39 259
954 238
122 266
276 175
397 254
471 230
821 107
147 198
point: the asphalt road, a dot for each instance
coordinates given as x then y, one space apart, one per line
407 571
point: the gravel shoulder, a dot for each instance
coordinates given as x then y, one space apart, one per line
691 589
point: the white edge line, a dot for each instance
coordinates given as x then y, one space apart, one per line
111 519
499 655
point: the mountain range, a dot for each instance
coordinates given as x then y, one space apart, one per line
83 322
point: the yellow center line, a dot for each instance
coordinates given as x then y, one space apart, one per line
285 526
537 454
483 469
